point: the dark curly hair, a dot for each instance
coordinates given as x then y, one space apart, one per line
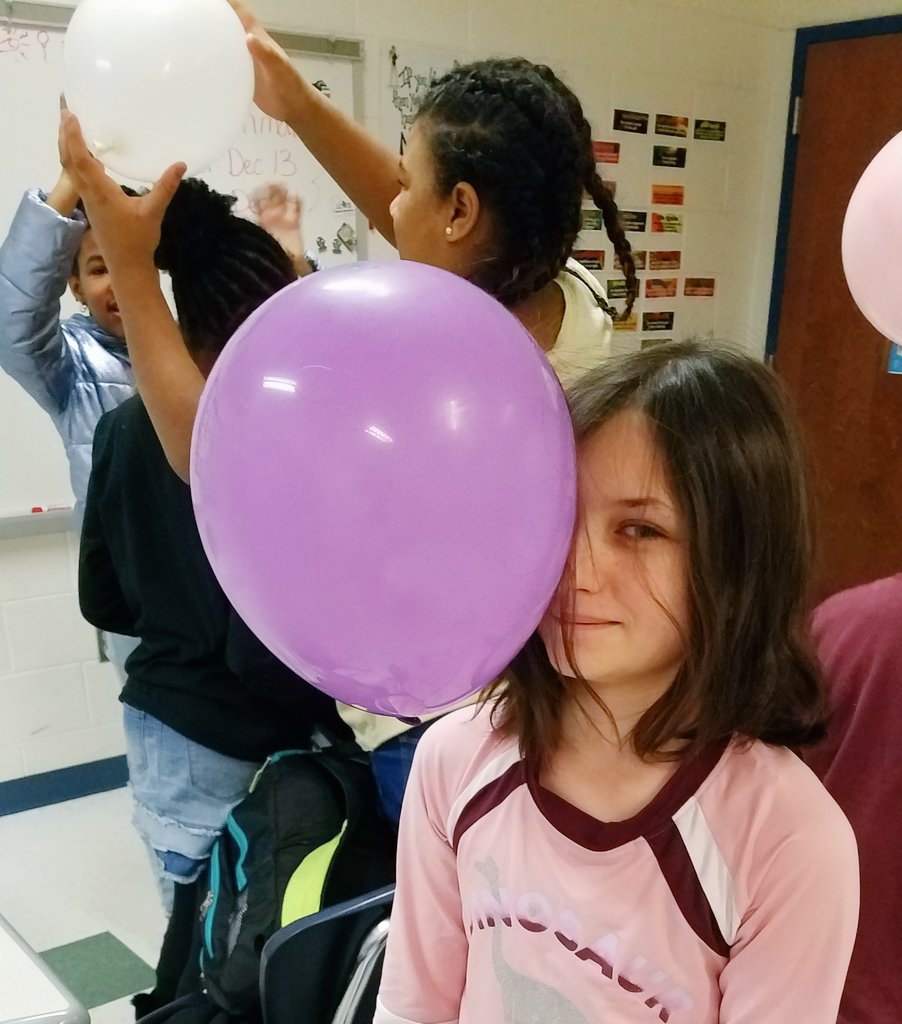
518 135
222 267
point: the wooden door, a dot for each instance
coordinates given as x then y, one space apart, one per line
834 362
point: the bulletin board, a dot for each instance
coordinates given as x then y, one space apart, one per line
662 165
33 465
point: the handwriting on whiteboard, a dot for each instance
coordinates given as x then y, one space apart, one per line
24 43
409 82
280 164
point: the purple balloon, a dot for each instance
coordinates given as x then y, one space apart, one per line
384 479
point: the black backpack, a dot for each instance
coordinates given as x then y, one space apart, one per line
309 834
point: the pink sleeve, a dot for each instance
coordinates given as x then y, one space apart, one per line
789 962
426 958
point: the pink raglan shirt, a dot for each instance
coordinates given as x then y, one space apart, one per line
731 899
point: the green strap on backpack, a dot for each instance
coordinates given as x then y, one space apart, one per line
304 892
309 834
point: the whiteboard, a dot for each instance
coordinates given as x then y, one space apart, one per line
33 465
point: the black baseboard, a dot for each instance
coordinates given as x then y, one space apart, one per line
63 784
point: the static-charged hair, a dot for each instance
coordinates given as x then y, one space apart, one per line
222 267
728 441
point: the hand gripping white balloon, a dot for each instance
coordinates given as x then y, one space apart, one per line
156 83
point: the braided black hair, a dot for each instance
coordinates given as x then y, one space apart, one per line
518 135
222 267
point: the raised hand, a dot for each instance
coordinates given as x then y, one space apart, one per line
278 211
279 87
127 228
365 170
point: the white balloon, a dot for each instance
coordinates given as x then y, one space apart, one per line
153 82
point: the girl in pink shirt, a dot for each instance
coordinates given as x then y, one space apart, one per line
622 833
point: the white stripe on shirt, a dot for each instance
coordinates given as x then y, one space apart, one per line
710 867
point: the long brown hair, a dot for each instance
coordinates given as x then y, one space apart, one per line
727 438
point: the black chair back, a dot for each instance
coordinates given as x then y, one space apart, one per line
325 968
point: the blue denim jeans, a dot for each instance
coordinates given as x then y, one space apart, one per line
183 793
391 763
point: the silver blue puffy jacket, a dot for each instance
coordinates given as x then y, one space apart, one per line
72 368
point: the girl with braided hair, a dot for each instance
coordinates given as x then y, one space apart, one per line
205 703
490 187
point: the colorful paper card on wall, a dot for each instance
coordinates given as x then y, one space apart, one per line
658 321
592 220
669 156
661 288
667 195
648 342
591 259
667 222
895 359
630 324
606 152
615 287
633 220
670 124
699 286
631 121
638 259
664 259
710 131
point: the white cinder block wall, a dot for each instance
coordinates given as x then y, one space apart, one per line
723 59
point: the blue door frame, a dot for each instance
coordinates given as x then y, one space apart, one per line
804 38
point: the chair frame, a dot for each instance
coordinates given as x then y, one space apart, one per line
369 912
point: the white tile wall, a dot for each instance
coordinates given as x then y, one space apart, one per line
71 748
5 659
438 22
60 705
713 58
34 567
700 41
616 33
47 631
12 763
42 704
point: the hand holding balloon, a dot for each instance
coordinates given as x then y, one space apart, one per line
277 82
153 83
127 228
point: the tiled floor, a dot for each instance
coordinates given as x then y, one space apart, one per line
78 871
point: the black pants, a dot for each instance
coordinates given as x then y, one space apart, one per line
178 969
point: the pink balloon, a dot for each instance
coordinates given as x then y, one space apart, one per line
383 473
872 241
